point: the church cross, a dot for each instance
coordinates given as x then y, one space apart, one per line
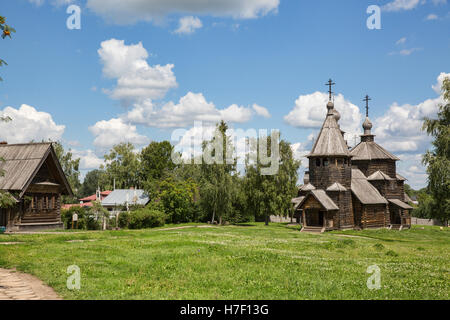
367 99
329 84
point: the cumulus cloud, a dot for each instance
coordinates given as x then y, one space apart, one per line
136 79
411 168
261 111
399 129
88 159
310 111
114 131
29 124
431 16
191 107
131 11
400 5
188 25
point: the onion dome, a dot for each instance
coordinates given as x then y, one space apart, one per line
367 126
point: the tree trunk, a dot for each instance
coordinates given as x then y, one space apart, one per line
267 219
220 220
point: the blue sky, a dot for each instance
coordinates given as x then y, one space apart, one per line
276 54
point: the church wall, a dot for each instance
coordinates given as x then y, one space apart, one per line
373 216
323 176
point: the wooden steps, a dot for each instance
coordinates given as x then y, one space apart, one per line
40 218
312 229
396 227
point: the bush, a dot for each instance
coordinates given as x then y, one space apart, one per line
142 218
66 216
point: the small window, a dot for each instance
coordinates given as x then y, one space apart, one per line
345 161
325 162
318 162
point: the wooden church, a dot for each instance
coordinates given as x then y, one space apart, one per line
350 188
33 178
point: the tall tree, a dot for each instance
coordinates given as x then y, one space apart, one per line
91 182
437 159
217 177
123 166
269 194
6 32
71 168
156 160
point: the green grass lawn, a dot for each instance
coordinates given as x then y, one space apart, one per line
237 262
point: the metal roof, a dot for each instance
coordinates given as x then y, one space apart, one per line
400 204
370 150
364 190
122 196
330 141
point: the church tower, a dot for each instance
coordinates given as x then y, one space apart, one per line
330 165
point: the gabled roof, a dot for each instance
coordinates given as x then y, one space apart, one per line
370 150
364 190
307 187
399 177
330 141
297 201
336 187
379 175
94 196
325 201
121 196
22 163
407 198
400 204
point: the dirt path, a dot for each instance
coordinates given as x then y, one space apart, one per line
21 286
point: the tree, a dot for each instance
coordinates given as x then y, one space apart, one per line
100 212
269 194
437 159
156 160
91 182
6 32
217 183
71 168
122 166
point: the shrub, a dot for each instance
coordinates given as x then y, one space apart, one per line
144 218
124 219
66 216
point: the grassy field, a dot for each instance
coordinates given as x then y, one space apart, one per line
237 262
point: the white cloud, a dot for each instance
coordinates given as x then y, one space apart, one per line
261 111
56 3
310 111
431 16
437 87
410 166
136 80
405 52
401 41
191 107
188 25
114 131
29 124
88 159
399 129
131 11
399 5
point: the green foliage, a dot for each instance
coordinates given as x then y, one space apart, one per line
6 32
437 159
86 218
178 200
91 181
145 218
122 165
6 200
156 161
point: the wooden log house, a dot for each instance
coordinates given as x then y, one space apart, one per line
34 178
350 189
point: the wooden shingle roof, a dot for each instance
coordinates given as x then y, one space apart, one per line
330 141
320 195
378 175
400 204
22 162
371 150
364 190
336 187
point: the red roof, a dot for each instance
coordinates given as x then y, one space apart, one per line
103 195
